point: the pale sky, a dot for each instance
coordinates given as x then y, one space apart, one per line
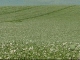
38 2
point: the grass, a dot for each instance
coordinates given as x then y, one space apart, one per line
40 32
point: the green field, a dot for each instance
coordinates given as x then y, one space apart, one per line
39 24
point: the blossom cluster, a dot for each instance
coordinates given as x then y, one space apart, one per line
32 50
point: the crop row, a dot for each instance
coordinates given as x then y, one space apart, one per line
13 10
29 13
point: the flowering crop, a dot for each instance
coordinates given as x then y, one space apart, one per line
31 50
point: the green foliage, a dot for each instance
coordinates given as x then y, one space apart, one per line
33 32
31 50
22 13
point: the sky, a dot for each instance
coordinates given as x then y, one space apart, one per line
38 2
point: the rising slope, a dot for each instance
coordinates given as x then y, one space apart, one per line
21 13
40 23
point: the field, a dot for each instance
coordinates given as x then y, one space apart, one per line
40 32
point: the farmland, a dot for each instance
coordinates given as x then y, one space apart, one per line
40 26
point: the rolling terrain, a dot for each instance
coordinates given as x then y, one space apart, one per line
41 23
40 32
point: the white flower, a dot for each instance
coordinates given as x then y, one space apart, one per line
68 48
12 51
10 43
51 49
31 41
31 48
0 57
3 45
17 44
73 55
65 43
26 42
24 48
60 54
53 44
